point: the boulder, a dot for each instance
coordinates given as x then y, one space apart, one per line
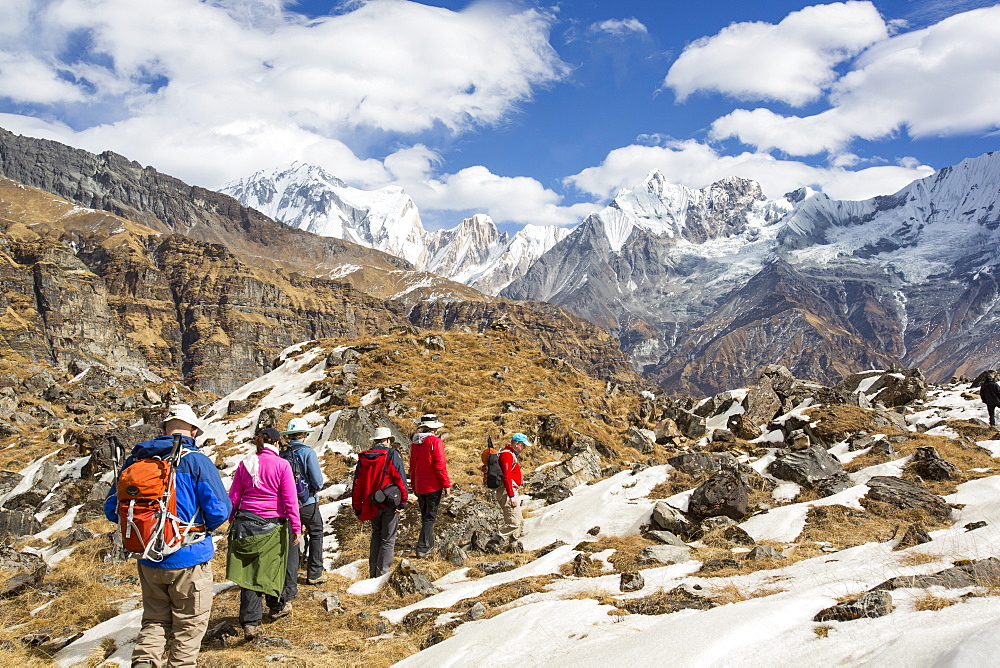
905 495
631 581
406 580
761 552
929 465
762 403
915 535
869 604
28 571
666 538
743 427
356 426
665 554
17 523
671 519
980 573
694 463
806 467
890 388
722 494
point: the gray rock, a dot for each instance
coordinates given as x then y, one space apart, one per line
761 552
477 611
984 572
722 494
671 519
806 467
631 581
665 554
905 495
666 538
406 580
915 535
928 464
494 567
16 523
870 604
694 463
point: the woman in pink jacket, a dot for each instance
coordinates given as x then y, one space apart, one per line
265 509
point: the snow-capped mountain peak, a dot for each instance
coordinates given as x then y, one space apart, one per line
475 252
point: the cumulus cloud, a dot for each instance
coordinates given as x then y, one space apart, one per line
793 61
697 165
516 199
940 81
619 27
198 68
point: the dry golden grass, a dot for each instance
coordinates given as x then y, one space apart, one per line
918 558
845 527
837 423
730 593
931 602
626 551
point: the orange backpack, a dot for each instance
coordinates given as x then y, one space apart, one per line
147 508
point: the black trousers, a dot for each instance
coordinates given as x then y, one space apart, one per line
312 534
251 608
990 408
428 515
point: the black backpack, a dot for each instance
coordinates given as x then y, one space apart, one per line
302 488
492 471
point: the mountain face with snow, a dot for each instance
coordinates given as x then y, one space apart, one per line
475 252
704 287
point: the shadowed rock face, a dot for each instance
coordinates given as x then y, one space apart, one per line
195 288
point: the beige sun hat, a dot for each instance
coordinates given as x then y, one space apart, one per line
430 420
184 413
382 433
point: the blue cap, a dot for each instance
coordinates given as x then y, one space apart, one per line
520 437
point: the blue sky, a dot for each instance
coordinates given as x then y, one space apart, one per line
527 111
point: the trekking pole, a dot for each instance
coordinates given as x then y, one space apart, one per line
117 454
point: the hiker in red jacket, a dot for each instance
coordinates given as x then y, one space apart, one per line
506 494
380 470
428 478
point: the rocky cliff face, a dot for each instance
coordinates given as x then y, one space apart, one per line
705 287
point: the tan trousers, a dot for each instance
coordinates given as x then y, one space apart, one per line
512 524
176 604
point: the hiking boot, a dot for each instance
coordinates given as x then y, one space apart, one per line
285 610
250 631
142 664
419 555
318 581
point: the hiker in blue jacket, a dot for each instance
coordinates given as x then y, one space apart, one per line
312 521
177 591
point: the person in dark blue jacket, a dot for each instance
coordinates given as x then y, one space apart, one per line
177 591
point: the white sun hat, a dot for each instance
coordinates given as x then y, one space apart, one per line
297 426
382 433
430 420
184 413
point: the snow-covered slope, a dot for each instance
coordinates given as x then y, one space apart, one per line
768 620
474 252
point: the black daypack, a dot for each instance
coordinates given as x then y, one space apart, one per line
492 471
302 489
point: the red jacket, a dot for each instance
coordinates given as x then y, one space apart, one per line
368 477
511 470
428 469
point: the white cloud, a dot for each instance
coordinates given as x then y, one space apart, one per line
517 199
619 27
697 165
940 81
792 61
27 79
